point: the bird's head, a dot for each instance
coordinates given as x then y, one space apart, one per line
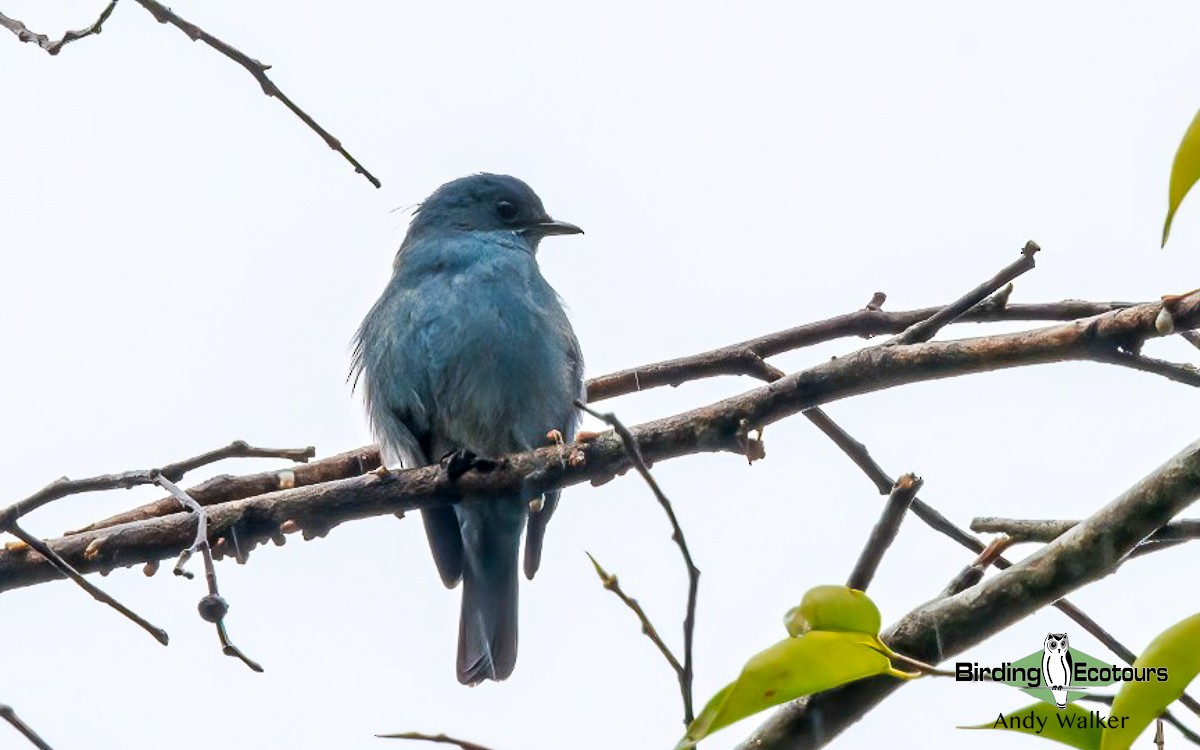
488 202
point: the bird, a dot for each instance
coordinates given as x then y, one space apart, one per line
1057 667
468 355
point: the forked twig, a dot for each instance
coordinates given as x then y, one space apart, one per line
630 444
212 607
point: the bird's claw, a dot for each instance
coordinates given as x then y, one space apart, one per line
460 462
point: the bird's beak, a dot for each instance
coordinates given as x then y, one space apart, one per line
550 226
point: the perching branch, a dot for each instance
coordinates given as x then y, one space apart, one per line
8 714
945 627
718 427
54 47
684 672
745 358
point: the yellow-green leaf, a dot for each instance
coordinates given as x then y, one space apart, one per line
1178 650
1184 172
835 608
1070 726
816 661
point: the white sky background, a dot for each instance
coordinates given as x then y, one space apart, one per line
184 264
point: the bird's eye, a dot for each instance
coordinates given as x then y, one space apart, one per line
507 210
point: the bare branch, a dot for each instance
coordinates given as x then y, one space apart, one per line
871 321
163 14
8 714
884 533
630 445
43 41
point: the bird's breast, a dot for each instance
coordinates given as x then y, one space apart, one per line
497 352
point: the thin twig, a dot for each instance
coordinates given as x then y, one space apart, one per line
1191 337
212 607
1179 372
163 14
62 566
610 582
26 35
630 444
1035 530
63 487
441 738
885 531
928 328
8 714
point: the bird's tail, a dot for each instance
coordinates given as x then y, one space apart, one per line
1060 696
487 628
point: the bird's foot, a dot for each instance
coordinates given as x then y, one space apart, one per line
555 437
384 474
459 462
587 436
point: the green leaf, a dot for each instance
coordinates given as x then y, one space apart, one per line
818 660
1070 726
1178 649
1184 172
835 608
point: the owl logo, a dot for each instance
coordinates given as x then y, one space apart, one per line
1057 667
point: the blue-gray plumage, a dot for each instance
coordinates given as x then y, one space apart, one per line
469 351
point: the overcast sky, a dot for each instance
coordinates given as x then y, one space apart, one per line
184 264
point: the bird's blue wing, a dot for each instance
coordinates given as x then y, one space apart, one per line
535 529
